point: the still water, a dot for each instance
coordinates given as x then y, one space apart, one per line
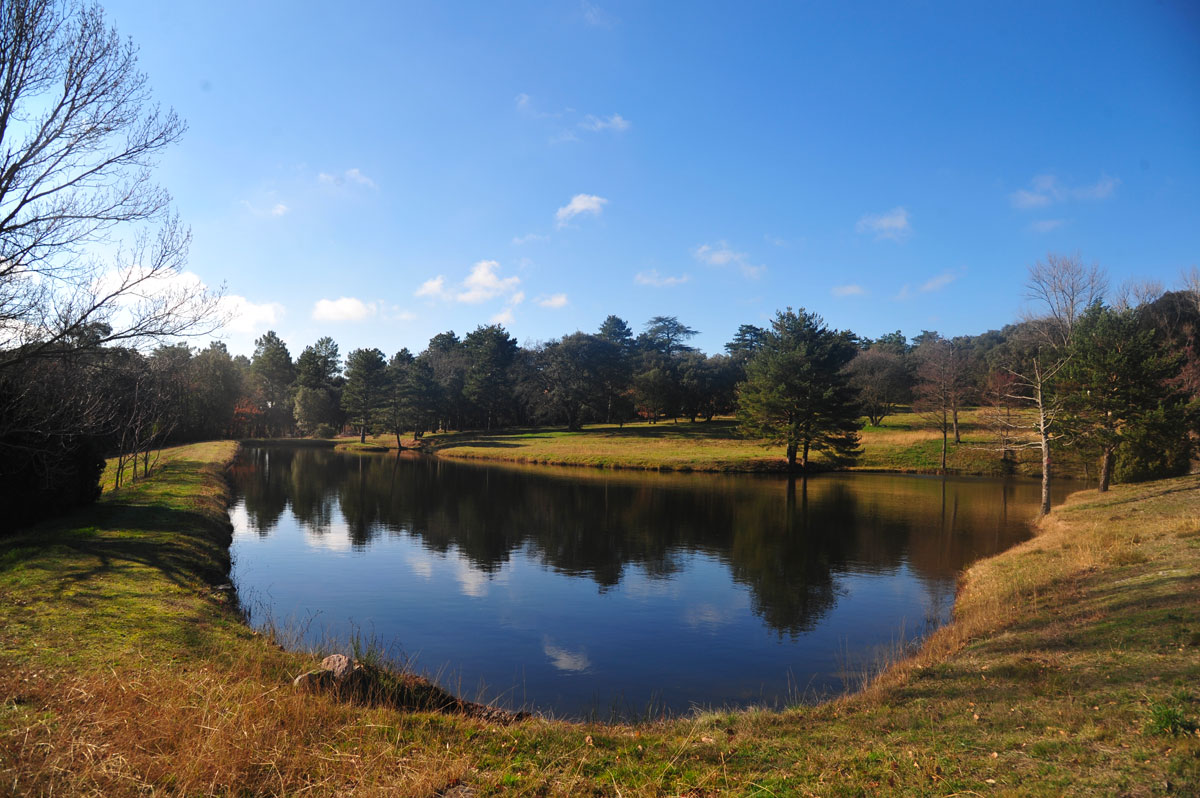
593 593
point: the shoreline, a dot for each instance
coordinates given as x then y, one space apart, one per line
901 444
1011 634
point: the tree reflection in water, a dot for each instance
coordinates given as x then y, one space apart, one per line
787 540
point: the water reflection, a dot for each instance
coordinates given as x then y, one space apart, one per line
787 551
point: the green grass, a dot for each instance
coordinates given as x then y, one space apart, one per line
1071 669
903 442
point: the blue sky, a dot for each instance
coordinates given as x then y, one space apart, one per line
393 170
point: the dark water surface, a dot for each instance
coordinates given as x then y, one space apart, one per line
581 592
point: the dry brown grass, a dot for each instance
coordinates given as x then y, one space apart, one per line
1061 653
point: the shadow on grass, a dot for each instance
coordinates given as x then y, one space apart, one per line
181 545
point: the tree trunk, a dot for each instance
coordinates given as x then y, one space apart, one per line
1044 441
804 459
957 439
399 446
791 456
362 434
1106 464
944 448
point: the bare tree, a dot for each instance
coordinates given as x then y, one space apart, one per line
941 386
79 134
90 253
1133 294
1190 284
881 381
1000 413
1064 288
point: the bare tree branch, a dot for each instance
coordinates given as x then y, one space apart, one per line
79 135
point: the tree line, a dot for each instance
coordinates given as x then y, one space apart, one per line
1116 381
92 364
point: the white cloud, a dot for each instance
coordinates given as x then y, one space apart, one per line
553 301
848 290
276 210
503 317
434 289
343 309
720 254
241 316
652 277
528 238
580 203
355 176
892 224
615 122
350 176
903 294
1046 225
1025 199
483 283
522 101
1104 188
717 255
937 283
1046 190
248 317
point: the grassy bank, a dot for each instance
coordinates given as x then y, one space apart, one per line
903 442
1071 668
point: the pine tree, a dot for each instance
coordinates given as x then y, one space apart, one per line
365 395
1118 385
797 392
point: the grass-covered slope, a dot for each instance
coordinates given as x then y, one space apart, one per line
903 442
1071 668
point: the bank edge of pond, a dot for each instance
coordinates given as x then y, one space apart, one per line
901 444
161 685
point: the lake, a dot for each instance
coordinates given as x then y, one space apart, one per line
589 593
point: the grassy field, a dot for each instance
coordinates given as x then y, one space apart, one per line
903 442
1072 667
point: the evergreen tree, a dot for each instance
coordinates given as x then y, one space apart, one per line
319 364
274 373
365 395
400 406
615 330
490 353
745 343
318 380
572 373
1118 384
448 364
617 376
797 392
